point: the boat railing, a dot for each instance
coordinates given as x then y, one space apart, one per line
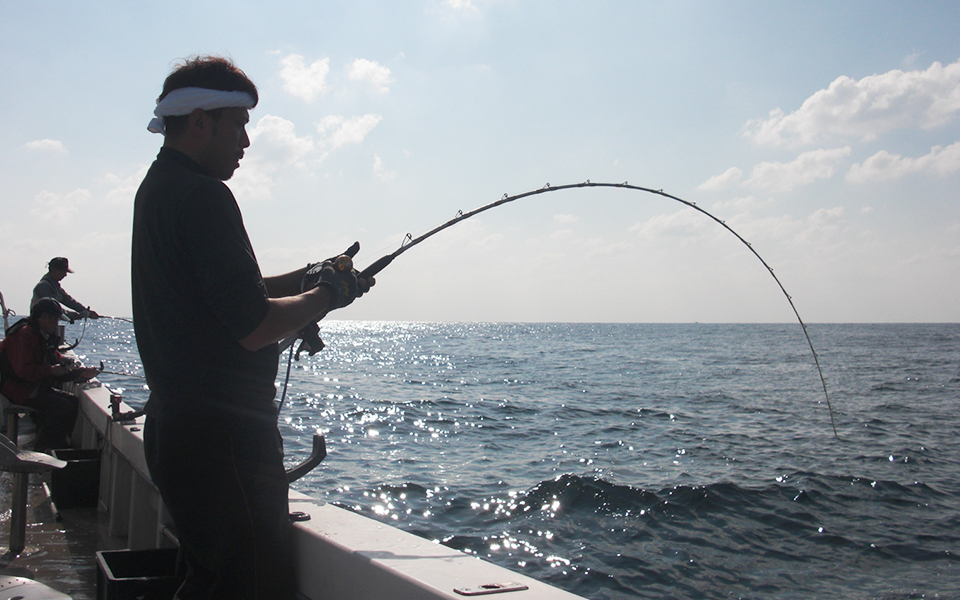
6 313
341 555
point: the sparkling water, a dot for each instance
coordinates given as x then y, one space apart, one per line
637 461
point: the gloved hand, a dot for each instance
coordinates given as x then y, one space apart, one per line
344 277
341 284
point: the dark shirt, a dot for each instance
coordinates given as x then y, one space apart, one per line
197 290
48 287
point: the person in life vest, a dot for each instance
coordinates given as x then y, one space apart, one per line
30 365
49 287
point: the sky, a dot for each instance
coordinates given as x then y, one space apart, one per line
826 134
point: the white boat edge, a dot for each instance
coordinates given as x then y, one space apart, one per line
340 555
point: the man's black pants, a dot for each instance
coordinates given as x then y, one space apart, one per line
55 418
226 489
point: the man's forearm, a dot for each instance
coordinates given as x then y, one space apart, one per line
282 286
73 303
286 316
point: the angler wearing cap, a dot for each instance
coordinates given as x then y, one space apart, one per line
49 287
207 325
29 366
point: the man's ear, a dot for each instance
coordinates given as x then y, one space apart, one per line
198 123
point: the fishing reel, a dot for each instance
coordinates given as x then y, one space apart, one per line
310 341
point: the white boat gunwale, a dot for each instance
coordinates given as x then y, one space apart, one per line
341 555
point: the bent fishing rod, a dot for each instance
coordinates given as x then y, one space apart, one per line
409 242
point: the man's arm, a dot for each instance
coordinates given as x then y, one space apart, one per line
282 286
72 302
83 312
288 315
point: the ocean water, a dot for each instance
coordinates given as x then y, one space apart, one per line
638 460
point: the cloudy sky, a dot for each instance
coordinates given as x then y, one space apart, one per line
827 134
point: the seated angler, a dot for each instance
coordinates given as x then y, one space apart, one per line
30 365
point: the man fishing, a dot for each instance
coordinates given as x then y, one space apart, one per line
207 325
30 365
49 287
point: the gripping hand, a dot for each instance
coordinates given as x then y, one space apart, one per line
337 276
312 277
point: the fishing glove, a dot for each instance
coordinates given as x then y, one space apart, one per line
341 285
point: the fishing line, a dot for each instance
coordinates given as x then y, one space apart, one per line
76 341
123 374
409 242
83 331
103 370
286 380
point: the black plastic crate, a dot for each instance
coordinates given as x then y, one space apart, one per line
137 574
78 483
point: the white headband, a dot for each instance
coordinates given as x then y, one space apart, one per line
184 101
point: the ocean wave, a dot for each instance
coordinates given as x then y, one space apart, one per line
645 461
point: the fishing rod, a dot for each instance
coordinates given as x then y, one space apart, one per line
6 313
409 242
117 318
104 370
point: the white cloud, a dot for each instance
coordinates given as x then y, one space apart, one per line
817 232
824 224
867 108
347 131
123 190
45 145
728 178
807 168
681 222
379 172
370 71
302 81
274 143
329 122
884 166
465 6
563 218
59 208
252 184
743 204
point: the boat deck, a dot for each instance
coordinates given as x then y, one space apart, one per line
60 547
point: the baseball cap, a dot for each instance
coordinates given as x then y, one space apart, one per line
46 306
60 263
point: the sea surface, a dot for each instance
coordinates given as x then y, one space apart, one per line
638 460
